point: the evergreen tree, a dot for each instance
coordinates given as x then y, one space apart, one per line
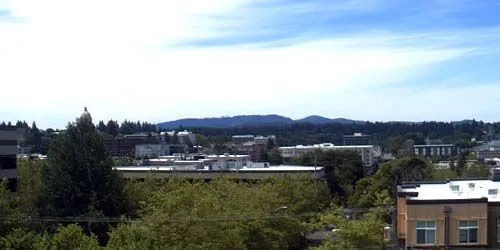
112 128
101 127
78 179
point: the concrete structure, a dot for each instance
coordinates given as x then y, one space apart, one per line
434 150
357 139
367 152
240 174
8 155
151 150
458 214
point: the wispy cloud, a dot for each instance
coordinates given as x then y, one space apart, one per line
160 60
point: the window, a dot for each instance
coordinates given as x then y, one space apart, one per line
498 229
467 231
426 232
7 161
492 191
454 187
472 185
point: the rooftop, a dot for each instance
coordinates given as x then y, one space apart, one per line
327 145
280 168
453 190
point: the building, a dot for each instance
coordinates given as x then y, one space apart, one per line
240 139
250 173
8 155
257 152
459 214
357 139
366 152
151 150
434 150
183 137
264 139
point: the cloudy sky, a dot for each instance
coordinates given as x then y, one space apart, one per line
168 59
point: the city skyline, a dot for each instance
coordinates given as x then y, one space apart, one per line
159 61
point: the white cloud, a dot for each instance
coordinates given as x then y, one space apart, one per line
117 57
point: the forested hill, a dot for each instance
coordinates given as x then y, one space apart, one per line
388 135
249 120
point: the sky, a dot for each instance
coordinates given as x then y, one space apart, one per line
377 60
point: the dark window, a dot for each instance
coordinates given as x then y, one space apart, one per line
426 232
468 231
8 142
7 161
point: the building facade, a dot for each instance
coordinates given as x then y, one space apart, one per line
366 152
8 155
461 214
357 139
434 150
151 150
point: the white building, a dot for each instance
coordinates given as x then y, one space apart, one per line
367 152
227 161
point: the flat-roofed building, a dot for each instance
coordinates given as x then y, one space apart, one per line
366 152
459 214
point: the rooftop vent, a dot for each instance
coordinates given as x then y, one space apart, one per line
492 191
472 185
455 188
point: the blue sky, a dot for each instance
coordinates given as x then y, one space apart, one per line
163 60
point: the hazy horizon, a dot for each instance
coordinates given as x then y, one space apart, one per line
380 60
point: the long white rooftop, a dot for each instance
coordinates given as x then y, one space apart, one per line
283 168
453 190
327 145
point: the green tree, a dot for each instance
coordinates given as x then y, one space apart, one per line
73 237
112 128
274 157
78 179
387 177
357 233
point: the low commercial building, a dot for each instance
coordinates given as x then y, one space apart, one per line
366 152
252 173
458 214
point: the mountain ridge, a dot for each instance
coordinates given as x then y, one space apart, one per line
249 120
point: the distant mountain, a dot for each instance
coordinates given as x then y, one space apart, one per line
249 120
316 119
227 122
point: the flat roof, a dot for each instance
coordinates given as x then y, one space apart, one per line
326 145
280 168
453 190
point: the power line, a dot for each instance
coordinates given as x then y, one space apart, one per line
186 219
